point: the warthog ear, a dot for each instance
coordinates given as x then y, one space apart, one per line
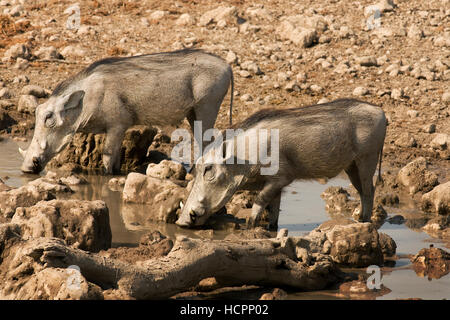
74 100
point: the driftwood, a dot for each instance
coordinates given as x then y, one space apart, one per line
270 262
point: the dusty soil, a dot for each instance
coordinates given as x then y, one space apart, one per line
132 27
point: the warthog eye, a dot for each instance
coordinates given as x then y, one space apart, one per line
49 120
209 172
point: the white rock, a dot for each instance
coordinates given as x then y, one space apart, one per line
73 51
21 64
5 93
231 58
215 15
446 96
246 97
27 104
397 94
185 20
18 51
35 90
360 91
414 32
47 53
157 15
367 61
316 88
441 141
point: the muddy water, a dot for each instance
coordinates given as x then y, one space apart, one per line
302 210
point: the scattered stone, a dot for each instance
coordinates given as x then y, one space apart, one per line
397 94
157 15
21 64
166 169
416 177
5 93
337 201
35 90
215 15
429 128
276 294
433 263
117 184
438 199
252 67
82 224
185 20
27 104
302 30
162 196
73 51
414 32
367 61
48 53
246 97
360 91
231 58
441 141
316 88
18 51
446 97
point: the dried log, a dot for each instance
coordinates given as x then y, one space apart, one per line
271 262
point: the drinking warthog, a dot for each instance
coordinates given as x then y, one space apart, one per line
113 94
315 142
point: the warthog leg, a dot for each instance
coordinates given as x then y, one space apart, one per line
111 150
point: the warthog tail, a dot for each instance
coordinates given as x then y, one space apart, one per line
379 165
231 98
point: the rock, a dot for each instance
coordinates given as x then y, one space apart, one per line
216 15
367 61
86 150
316 88
246 97
162 196
21 64
347 242
382 6
446 96
166 169
117 184
185 20
231 58
406 140
412 113
432 262
16 11
360 91
397 219
388 245
73 51
48 53
414 32
35 90
82 224
442 40
25 196
251 66
438 199
397 94
157 15
359 290
441 141
52 284
5 120
276 294
5 93
429 128
18 51
27 104
337 201
416 177
303 37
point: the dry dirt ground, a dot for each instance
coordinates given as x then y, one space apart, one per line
401 64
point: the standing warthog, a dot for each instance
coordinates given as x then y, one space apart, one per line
113 94
315 142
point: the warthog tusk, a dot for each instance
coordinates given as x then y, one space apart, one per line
22 152
181 205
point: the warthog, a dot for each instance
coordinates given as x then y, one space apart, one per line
315 142
113 94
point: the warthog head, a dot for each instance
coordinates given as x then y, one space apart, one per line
215 182
56 123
